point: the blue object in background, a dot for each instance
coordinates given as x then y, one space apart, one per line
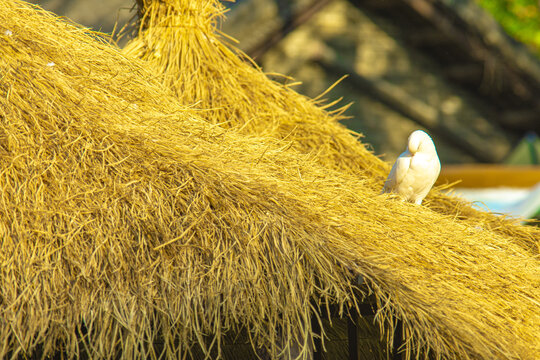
516 202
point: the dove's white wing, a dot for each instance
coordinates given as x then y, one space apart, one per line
398 172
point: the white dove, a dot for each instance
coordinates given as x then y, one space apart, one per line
415 170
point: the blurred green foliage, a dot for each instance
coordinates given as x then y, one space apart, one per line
520 18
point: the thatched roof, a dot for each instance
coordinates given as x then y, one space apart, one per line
130 218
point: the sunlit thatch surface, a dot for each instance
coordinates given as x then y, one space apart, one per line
127 220
179 38
189 54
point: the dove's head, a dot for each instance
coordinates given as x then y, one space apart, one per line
419 141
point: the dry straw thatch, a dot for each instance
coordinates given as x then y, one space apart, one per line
128 218
181 40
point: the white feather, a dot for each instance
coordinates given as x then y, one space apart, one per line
415 170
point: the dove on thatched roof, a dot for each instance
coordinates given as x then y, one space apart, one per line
415 170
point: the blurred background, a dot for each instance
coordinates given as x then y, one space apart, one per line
465 71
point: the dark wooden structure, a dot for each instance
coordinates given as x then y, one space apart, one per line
475 53
499 75
474 50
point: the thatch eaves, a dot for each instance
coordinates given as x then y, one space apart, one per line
127 218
